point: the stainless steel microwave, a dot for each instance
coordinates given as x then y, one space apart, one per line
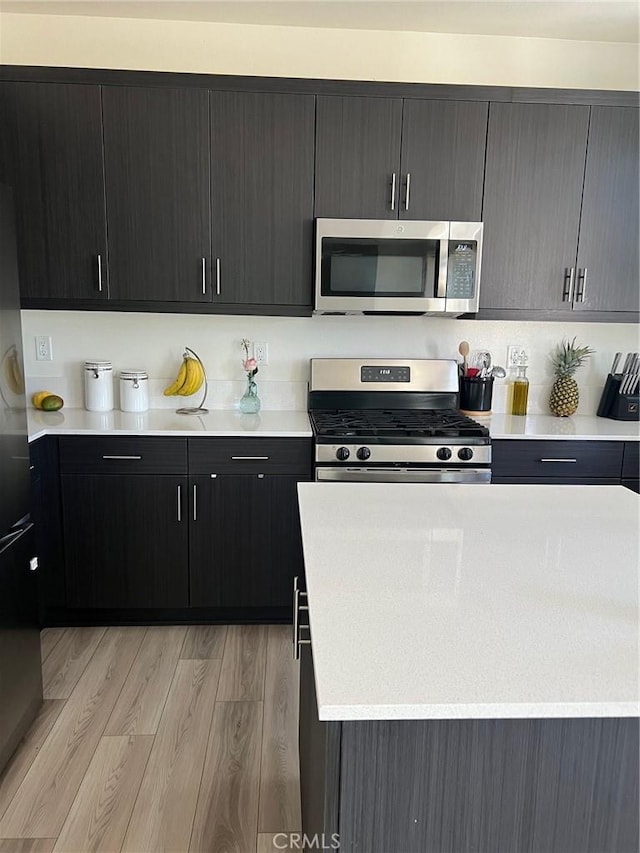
387 266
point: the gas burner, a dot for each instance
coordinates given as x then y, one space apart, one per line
397 423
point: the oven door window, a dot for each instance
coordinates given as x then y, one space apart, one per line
366 267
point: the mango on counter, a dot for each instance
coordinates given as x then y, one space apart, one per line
46 401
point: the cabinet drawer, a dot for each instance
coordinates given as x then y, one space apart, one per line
250 455
123 455
631 460
560 459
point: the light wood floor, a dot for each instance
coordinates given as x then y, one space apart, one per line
158 739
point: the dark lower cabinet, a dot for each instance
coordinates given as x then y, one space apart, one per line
125 540
244 540
557 461
469 786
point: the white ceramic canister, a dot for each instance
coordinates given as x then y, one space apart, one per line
134 391
98 386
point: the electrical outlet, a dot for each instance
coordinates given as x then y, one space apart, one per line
261 352
44 349
514 355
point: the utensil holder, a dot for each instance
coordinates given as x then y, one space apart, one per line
616 406
475 395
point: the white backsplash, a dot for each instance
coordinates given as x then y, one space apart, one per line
154 342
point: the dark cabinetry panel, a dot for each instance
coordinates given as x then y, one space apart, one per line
54 156
123 455
631 460
262 197
558 460
250 456
357 155
609 225
532 198
443 150
245 546
156 148
125 540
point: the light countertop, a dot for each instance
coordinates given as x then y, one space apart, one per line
220 422
462 601
580 427
286 424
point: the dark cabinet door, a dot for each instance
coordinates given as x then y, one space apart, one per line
609 226
262 197
443 148
56 169
244 544
358 157
532 198
125 540
156 148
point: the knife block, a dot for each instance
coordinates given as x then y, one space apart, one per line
618 407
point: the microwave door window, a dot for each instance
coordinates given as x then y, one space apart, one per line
371 268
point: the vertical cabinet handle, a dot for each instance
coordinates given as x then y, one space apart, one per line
581 289
195 502
99 273
204 276
179 503
406 197
393 191
567 290
217 276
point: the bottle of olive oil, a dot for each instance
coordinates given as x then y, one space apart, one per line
520 392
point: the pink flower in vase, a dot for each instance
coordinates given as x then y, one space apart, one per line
250 364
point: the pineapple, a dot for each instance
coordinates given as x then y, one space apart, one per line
566 360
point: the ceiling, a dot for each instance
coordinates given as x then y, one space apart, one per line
582 20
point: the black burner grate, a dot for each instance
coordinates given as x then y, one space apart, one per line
414 423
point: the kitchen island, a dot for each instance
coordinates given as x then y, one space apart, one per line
472 678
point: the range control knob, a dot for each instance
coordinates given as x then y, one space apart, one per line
342 453
363 453
465 453
443 453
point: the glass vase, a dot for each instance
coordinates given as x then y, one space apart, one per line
250 402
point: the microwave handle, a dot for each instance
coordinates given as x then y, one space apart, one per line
441 287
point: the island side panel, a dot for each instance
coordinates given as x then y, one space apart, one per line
490 786
319 747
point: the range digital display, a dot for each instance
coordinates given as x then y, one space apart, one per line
384 374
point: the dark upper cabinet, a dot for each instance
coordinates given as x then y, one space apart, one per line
358 157
532 199
244 540
125 540
156 149
443 149
53 158
608 259
389 158
262 197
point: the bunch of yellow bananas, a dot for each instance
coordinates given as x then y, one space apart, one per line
189 379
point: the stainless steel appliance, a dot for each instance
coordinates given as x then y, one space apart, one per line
369 265
20 667
394 420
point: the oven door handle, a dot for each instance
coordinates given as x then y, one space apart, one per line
404 475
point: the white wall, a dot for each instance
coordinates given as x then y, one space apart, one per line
94 42
155 342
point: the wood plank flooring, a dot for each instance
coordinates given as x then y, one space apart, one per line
158 739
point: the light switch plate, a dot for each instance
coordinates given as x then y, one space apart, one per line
261 352
44 348
514 355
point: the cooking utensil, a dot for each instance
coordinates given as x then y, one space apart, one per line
463 349
616 361
472 372
498 372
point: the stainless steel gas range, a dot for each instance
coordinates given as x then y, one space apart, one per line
394 420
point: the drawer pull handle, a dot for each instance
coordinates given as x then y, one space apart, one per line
558 460
123 457
195 502
247 458
179 507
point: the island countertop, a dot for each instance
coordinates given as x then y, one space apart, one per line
462 601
